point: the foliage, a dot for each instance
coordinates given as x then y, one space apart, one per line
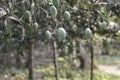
81 15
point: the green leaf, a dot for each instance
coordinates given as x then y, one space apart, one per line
9 31
28 28
61 59
14 18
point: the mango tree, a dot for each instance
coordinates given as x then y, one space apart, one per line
61 22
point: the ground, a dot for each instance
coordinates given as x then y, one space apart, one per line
113 69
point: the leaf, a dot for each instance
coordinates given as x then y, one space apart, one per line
97 36
2 12
9 31
28 28
118 33
109 13
14 18
12 30
61 59
105 12
101 15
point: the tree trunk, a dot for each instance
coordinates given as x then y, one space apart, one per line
30 61
92 60
105 50
18 59
55 60
82 61
83 57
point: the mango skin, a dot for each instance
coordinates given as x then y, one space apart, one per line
27 16
56 3
67 15
53 11
35 26
48 35
103 25
27 4
61 34
88 33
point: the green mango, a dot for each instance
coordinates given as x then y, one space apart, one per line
67 15
35 26
48 35
61 34
27 16
53 11
103 25
56 3
88 33
27 4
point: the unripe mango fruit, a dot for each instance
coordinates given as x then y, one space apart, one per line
56 3
27 4
48 35
88 33
53 11
67 15
103 25
61 34
35 26
27 16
